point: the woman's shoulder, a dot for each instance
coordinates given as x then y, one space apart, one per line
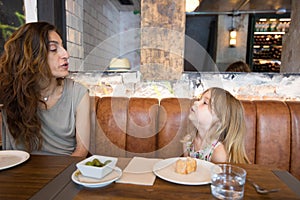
75 90
71 83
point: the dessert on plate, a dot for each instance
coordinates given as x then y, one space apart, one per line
186 166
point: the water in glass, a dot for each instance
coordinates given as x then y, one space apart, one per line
228 184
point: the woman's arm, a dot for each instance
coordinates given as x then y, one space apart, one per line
83 127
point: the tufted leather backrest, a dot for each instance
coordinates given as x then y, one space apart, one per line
141 126
273 134
126 127
294 108
250 119
173 125
152 128
110 134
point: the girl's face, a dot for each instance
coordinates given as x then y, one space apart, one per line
201 114
57 56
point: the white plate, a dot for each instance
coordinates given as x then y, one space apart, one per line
95 183
11 158
165 169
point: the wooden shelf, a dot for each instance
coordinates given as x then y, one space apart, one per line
268 33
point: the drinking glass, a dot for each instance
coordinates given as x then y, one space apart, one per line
227 181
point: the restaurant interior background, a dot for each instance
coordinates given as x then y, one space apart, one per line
96 31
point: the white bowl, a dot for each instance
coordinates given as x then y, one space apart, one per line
94 171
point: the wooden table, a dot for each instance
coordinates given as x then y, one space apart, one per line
26 179
49 177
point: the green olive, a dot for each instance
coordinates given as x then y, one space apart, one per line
97 163
89 163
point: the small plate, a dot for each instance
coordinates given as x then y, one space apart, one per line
11 158
165 169
96 183
97 172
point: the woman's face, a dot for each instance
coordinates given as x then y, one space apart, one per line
57 56
201 114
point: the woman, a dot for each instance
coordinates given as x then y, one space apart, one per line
43 112
220 128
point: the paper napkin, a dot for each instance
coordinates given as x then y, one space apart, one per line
139 171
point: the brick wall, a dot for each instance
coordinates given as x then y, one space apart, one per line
92 26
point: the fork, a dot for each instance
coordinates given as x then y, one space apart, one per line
262 190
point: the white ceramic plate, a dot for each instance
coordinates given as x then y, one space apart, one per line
96 183
165 169
11 158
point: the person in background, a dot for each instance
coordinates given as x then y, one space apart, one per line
43 111
218 118
238 66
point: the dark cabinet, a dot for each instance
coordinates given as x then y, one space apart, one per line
266 34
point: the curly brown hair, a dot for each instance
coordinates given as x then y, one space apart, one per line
24 72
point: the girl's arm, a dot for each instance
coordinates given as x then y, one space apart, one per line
219 155
82 127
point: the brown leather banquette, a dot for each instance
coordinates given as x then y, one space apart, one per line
153 128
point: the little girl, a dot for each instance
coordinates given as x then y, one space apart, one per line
218 118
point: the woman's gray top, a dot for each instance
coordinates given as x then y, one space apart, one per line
58 123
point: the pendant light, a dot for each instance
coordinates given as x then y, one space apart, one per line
232 33
232 37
